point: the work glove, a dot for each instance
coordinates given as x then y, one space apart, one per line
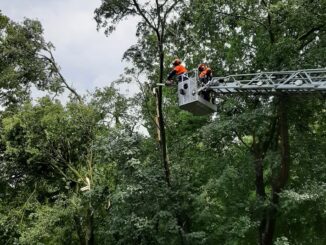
169 83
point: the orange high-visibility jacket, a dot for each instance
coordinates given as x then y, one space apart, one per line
177 70
180 69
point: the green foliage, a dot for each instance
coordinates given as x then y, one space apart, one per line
246 36
81 174
49 224
23 61
45 137
47 147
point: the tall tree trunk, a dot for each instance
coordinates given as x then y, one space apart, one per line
79 230
90 228
161 125
280 181
268 232
259 171
284 145
260 187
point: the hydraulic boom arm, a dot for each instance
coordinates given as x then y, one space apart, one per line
302 81
193 95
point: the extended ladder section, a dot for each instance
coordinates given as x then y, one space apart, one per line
303 81
196 98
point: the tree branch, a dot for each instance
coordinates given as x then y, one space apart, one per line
264 3
141 13
240 138
63 80
306 43
244 17
158 13
311 31
169 10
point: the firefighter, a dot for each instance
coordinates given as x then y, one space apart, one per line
205 73
179 71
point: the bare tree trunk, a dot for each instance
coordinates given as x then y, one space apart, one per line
268 232
260 188
161 125
258 150
283 175
284 145
79 230
90 228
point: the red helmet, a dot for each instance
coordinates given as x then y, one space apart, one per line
176 62
202 67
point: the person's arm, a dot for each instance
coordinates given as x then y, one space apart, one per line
209 73
172 74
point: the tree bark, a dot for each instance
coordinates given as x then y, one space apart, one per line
79 230
258 150
260 187
284 145
161 125
90 228
280 181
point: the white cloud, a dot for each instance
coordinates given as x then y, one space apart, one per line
87 58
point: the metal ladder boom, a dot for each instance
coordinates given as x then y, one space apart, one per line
199 100
301 81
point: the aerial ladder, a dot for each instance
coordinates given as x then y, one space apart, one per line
191 91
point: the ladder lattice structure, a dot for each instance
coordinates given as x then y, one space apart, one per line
198 99
301 81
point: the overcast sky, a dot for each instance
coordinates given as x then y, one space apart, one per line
87 58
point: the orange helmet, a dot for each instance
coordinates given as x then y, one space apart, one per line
176 62
202 67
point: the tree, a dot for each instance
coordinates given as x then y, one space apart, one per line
154 20
248 36
26 60
80 173
47 158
